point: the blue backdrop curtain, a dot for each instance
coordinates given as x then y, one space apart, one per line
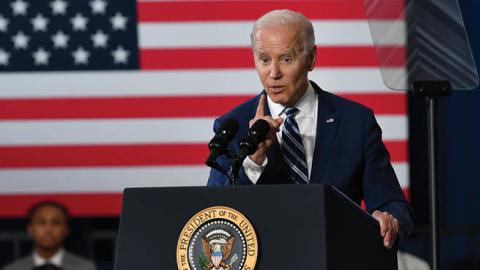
459 167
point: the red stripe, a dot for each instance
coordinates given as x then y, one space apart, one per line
406 193
385 103
102 155
398 150
79 205
155 107
125 107
391 56
174 11
195 58
124 155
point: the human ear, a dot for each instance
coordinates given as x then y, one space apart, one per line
313 58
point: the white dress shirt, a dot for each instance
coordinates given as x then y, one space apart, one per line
56 259
306 119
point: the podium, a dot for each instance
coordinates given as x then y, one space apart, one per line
312 227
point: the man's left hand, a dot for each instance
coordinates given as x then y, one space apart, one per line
389 227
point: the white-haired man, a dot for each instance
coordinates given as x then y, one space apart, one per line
315 136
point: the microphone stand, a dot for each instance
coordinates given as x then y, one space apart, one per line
233 177
237 162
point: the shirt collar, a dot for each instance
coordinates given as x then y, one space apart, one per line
56 259
306 105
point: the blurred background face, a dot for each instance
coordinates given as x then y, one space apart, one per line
282 63
48 228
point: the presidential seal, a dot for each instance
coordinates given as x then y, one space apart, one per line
217 238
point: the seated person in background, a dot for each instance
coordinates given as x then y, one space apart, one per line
48 227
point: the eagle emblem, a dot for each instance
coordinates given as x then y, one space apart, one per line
214 239
217 248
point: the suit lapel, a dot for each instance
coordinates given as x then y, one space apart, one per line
327 123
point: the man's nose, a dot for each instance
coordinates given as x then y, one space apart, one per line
51 226
275 72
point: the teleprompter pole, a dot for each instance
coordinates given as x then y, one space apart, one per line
431 90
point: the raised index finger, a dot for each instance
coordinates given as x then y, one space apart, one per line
261 107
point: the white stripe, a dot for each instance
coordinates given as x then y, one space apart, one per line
99 179
237 34
60 132
157 130
354 80
394 127
391 32
185 82
395 78
116 179
402 171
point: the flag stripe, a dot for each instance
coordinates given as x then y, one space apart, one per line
115 179
103 155
237 34
209 58
391 103
178 82
173 11
154 106
78 204
133 107
107 131
125 155
100 179
137 131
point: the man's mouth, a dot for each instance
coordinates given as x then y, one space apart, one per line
277 88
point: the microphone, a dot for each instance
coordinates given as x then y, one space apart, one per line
218 145
257 134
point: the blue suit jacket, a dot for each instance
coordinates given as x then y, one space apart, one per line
348 154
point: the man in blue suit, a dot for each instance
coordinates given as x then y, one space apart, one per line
315 136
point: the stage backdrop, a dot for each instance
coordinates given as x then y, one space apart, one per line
99 95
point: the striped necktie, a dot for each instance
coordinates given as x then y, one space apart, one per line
292 148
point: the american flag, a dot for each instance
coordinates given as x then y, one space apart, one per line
100 95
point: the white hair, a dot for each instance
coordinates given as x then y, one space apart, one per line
285 17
